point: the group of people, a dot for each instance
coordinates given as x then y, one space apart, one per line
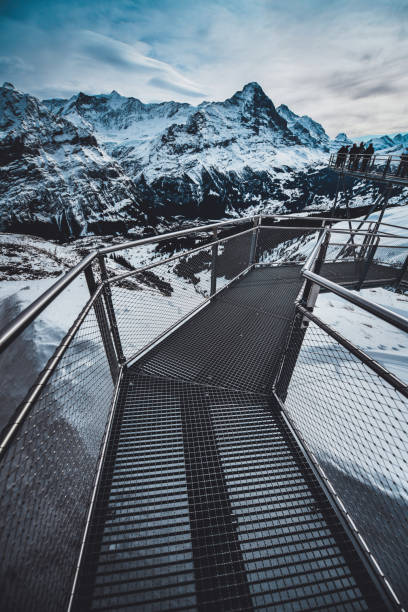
354 154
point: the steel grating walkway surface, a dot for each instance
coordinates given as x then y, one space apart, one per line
206 500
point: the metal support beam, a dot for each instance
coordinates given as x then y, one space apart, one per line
103 324
311 290
402 273
252 255
214 255
107 294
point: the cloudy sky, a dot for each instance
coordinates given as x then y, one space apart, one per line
343 62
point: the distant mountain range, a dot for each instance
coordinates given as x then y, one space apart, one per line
100 164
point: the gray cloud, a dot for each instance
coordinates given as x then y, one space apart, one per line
168 85
14 64
341 62
381 89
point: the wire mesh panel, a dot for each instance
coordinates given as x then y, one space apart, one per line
150 302
47 473
356 425
277 245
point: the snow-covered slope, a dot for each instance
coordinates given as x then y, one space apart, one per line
54 178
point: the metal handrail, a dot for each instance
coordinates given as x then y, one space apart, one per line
191 230
178 256
357 352
369 156
333 220
23 410
379 311
18 325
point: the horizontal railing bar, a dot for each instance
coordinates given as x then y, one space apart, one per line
185 232
367 233
370 156
290 227
23 410
333 220
14 329
358 246
178 256
379 311
335 231
357 352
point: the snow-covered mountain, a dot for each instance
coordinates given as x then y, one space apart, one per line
209 160
309 132
385 144
341 140
54 178
104 163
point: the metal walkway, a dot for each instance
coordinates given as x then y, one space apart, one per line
206 500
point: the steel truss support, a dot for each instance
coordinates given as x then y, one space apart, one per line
380 200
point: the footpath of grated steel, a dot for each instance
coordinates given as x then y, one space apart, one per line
206 500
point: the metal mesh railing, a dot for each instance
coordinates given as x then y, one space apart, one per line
394 167
47 473
280 245
148 303
355 424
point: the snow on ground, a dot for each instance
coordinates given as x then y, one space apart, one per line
380 340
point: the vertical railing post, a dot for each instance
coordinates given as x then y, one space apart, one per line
214 255
311 290
254 241
103 324
107 294
402 273
387 166
365 244
371 249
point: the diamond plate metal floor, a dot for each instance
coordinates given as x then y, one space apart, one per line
206 500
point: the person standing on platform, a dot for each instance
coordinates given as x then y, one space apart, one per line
367 157
352 156
359 153
344 156
340 156
403 165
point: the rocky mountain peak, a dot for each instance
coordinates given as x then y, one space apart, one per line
256 108
8 85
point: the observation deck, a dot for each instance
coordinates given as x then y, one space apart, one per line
378 168
203 440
